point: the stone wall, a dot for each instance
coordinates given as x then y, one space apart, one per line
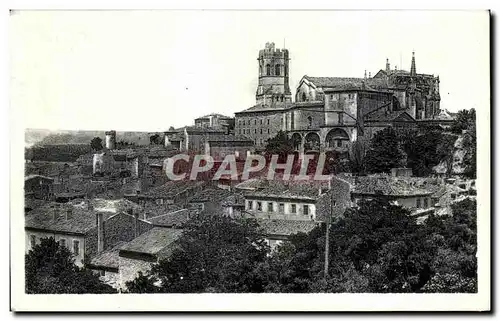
119 228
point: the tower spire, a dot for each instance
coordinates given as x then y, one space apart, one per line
413 70
387 65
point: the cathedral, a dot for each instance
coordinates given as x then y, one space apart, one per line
329 113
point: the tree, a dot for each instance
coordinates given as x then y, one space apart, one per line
213 254
384 152
470 157
96 144
464 120
155 139
280 145
50 269
424 151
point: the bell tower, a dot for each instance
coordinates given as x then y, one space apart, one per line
273 89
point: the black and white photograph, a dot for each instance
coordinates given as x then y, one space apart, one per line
171 160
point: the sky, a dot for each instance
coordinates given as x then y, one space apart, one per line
149 70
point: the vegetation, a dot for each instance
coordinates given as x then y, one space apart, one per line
377 247
385 152
50 269
464 120
96 144
58 153
214 254
280 145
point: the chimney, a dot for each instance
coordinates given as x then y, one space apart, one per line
69 211
100 232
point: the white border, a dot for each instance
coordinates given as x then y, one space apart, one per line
244 302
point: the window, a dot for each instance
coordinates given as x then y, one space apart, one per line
255 131
260 70
62 242
255 122
261 131
306 209
277 70
339 143
261 121
268 131
341 118
304 97
259 206
270 207
294 209
331 96
268 122
282 208
426 203
32 241
309 121
418 203
76 247
268 69
286 70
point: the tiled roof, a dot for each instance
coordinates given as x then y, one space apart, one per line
282 189
333 81
213 115
109 258
194 129
391 116
32 176
250 184
210 193
348 83
79 221
285 227
173 188
173 219
276 107
228 138
389 186
153 241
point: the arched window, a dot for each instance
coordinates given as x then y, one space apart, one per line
277 70
304 97
281 98
286 71
268 69
309 121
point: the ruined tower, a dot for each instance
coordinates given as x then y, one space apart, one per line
273 89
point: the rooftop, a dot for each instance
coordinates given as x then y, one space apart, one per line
228 138
285 227
173 188
53 216
173 219
304 190
32 176
389 186
155 241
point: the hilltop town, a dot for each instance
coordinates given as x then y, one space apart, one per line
387 140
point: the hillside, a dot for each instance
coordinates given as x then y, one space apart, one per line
42 137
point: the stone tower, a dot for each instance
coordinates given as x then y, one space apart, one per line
273 89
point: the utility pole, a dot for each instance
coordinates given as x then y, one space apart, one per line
327 236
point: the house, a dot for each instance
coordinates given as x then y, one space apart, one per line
86 227
277 231
219 146
39 187
123 263
405 191
171 192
